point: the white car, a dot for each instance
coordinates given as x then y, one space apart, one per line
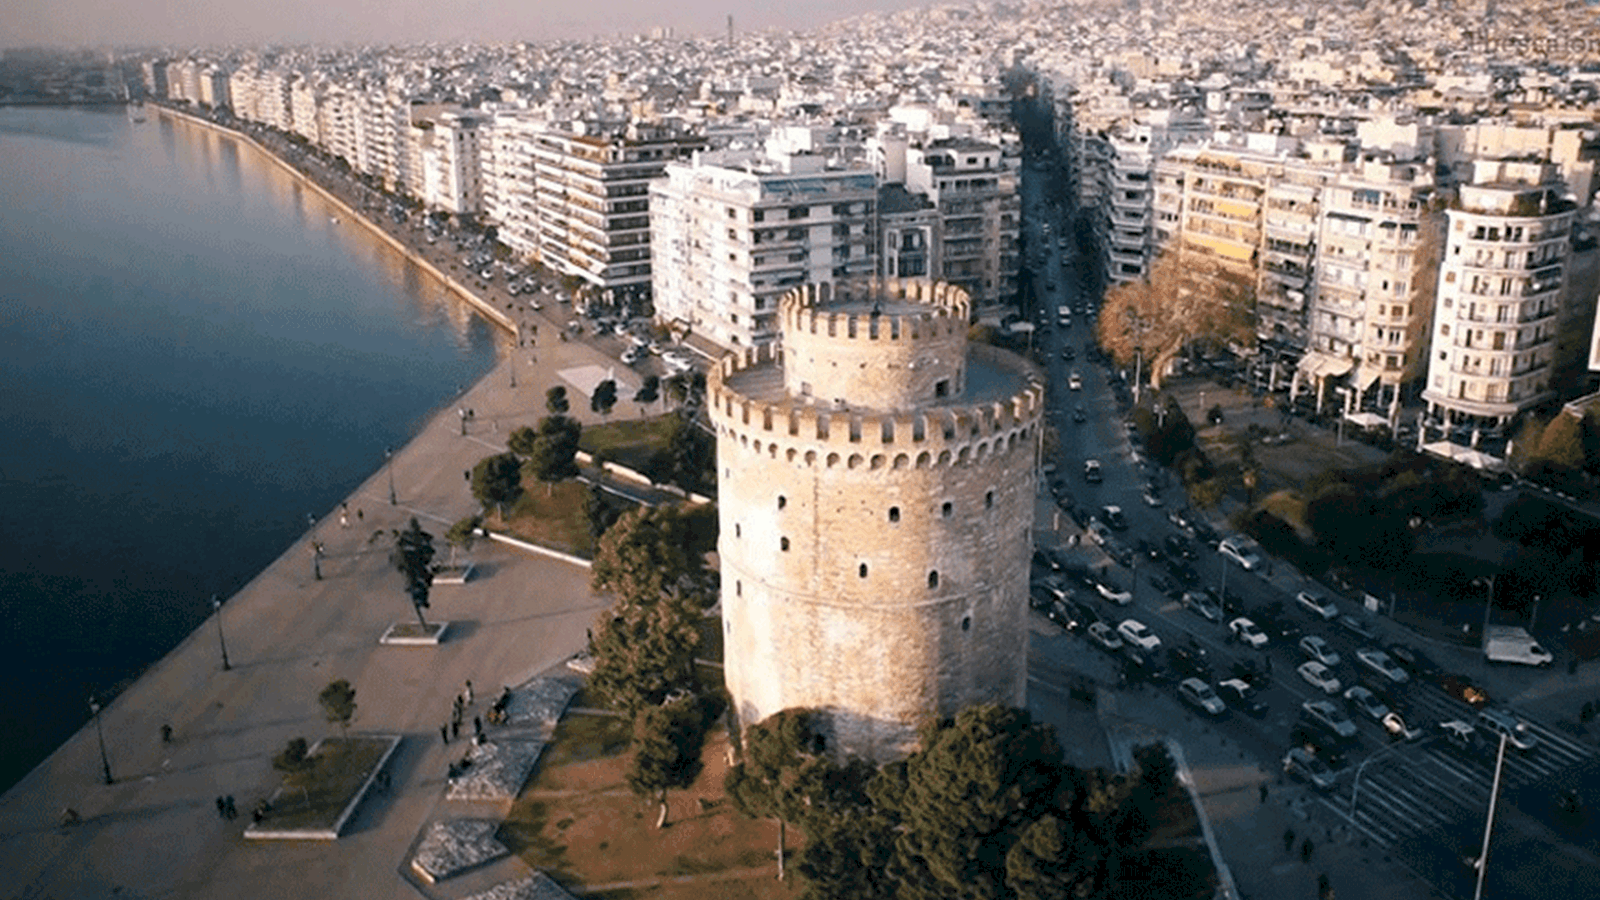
1319 650
1379 661
1110 591
1329 715
1198 693
1247 632
1366 703
1074 382
1101 634
631 356
1318 604
1137 634
1151 498
1320 677
1240 553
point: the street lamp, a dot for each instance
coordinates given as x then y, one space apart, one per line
216 608
105 764
388 461
1488 825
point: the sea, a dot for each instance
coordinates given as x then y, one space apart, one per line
196 352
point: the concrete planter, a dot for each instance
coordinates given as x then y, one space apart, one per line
411 634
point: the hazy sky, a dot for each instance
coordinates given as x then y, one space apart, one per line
204 22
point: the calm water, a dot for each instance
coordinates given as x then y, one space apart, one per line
192 357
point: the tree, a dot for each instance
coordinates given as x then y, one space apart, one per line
781 770
648 392
600 512
1052 860
688 457
677 388
963 799
666 751
555 400
555 450
1188 297
521 440
497 481
338 701
413 556
293 758
604 397
462 534
651 552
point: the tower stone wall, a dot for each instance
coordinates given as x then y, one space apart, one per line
875 552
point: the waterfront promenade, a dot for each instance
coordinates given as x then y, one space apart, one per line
155 831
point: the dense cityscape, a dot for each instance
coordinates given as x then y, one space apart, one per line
1019 450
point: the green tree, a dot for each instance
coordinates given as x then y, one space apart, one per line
338 701
688 457
413 557
600 512
462 534
604 397
963 799
1359 530
1562 442
522 439
651 552
648 392
555 400
497 481
1052 860
555 452
676 388
1188 297
293 758
667 741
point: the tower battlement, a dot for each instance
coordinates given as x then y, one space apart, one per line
874 310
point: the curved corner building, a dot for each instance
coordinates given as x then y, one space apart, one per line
876 486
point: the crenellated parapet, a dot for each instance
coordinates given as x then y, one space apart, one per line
892 309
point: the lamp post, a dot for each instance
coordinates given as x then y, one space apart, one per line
388 461
1488 825
105 763
216 608
1488 606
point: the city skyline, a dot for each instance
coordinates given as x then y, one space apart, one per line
87 23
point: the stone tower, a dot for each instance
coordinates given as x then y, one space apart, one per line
875 489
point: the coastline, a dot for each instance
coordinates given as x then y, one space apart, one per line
478 303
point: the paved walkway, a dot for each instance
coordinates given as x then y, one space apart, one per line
155 832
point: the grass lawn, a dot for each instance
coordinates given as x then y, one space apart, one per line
552 518
630 442
578 821
313 799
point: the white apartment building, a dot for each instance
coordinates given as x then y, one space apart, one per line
1501 282
592 201
305 117
451 162
1117 170
733 230
974 186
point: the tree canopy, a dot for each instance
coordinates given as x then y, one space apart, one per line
604 397
555 400
413 557
497 481
554 456
1187 298
338 701
688 460
667 741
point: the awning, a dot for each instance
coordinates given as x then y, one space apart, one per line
1366 377
1317 365
1367 420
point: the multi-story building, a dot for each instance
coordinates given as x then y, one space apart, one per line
451 162
911 234
1501 281
875 503
155 77
974 188
734 230
305 117
592 195
508 177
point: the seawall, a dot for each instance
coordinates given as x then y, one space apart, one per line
485 308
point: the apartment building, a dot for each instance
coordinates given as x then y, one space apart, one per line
592 201
1495 330
734 230
508 177
1118 171
452 172
974 187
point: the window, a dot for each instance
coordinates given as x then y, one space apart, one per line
947 509
941 388
894 513
933 578
783 544
862 571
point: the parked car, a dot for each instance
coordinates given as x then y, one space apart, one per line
1105 637
1241 553
1183 573
1412 661
1202 606
1240 695
1252 670
1182 520
1320 650
1151 498
1302 764
1074 382
1110 590
1246 632
1399 728
1138 634
1190 663
1327 714
1365 702
1357 626
1178 548
1320 677
1379 662
1064 616
1318 605
1113 517
1166 586
1199 694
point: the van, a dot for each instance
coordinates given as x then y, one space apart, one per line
1091 471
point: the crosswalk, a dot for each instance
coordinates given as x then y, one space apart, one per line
1404 790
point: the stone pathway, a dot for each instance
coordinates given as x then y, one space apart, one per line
451 848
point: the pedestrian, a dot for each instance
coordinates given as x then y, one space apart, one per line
222 807
1306 849
229 810
166 734
1263 792
456 708
444 734
360 517
344 519
455 729
1288 839
466 476
477 726
469 691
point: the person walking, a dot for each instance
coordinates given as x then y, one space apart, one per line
166 734
444 734
477 726
1263 792
222 807
230 811
468 692
1306 850
455 730
1288 839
